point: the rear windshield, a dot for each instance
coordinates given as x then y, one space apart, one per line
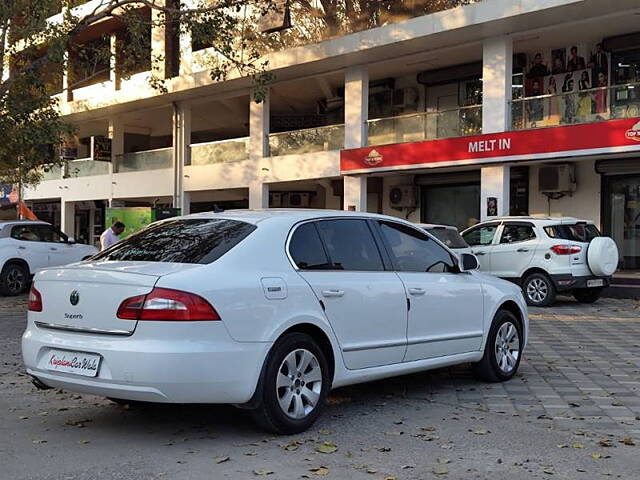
577 232
180 241
450 237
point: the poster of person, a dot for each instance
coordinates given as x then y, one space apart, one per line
558 61
538 67
599 61
576 61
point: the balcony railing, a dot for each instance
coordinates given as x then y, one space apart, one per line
86 167
586 106
52 173
224 151
417 127
309 140
147 160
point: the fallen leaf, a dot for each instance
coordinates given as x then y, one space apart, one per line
598 456
443 460
221 459
605 442
394 433
577 445
84 442
325 431
250 454
327 447
23 417
372 471
292 446
384 449
428 428
562 446
481 431
320 471
440 469
548 470
628 441
263 472
39 441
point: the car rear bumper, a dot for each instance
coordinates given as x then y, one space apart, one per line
570 282
161 362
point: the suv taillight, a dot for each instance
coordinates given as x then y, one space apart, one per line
566 249
164 304
35 300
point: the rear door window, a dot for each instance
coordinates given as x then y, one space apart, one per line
577 232
517 232
306 249
350 245
201 240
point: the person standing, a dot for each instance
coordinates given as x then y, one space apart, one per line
111 235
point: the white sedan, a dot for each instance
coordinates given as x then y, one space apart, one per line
268 310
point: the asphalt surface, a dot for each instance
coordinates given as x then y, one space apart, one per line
573 411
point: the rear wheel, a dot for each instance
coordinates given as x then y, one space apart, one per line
295 386
538 290
503 350
587 295
14 279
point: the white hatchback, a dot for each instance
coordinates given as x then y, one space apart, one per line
268 310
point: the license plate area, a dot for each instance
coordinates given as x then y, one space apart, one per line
595 283
77 363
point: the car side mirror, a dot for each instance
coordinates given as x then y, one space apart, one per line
71 240
468 262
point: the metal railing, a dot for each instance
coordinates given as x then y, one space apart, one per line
415 127
223 151
147 160
569 108
308 140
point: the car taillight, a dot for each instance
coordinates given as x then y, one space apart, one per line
164 304
566 249
35 300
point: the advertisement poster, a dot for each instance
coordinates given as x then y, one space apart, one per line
134 218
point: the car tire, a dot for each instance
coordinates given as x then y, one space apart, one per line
587 295
503 349
538 290
14 279
288 405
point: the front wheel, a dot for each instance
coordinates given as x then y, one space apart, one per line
295 385
503 350
587 295
538 290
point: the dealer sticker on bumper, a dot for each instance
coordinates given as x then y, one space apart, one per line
595 283
79 363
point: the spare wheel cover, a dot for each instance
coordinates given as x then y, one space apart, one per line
602 256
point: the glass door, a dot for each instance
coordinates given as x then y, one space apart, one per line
622 217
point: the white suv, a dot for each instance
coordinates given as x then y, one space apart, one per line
546 256
27 246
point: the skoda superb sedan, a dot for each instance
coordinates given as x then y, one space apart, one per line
268 310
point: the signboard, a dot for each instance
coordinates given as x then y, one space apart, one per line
5 194
101 148
611 136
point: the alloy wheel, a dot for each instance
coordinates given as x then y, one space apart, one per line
15 280
537 290
507 347
299 383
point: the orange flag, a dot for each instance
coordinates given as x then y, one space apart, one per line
25 212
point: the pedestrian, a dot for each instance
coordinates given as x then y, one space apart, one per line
110 235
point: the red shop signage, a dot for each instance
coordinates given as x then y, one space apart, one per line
572 140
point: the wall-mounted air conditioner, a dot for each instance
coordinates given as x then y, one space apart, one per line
557 178
297 200
403 196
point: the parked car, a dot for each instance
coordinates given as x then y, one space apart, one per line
268 310
27 246
546 256
448 235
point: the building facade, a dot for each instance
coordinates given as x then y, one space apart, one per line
522 107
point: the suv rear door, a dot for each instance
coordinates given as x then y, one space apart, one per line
30 246
513 252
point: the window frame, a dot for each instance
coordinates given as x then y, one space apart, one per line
517 224
498 226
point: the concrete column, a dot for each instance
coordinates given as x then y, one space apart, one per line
186 203
68 217
259 129
356 106
497 71
494 189
258 195
181 149
355 193
116 134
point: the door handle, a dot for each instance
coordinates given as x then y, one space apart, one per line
479 254
416 291
522 250
22 248
53 248
333 293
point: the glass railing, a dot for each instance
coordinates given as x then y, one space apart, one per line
585 106
86 168
421 126
147 160
52 173
309 140
224 151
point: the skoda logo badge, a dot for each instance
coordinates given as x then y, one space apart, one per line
74 298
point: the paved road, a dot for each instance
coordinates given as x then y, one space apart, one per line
570 413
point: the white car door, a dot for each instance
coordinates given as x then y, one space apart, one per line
480 239
60 251
28 245
514 250
445 305
364 303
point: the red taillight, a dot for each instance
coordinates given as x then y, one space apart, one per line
566 249
35 300
164 304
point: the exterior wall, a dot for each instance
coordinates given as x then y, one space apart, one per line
413 215
584 203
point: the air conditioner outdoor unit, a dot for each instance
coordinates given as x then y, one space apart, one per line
403 196
275 200
298 200
557 178
405 97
